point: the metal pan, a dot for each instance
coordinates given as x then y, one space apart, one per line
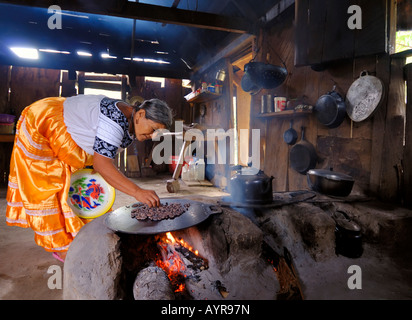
120 220
303 155
290 136
330 109
364 96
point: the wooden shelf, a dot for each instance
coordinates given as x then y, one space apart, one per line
285 114
6 137
204 96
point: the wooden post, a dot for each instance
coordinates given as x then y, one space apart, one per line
407 155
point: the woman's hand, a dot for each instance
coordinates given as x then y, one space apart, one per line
117 180
148 197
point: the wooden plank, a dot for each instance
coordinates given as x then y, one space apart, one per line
310 23
407 155
349 156
68 86
372 38
143 11
103 85
4 89
378 127
338 38
37 84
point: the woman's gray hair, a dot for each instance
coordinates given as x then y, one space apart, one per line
158 111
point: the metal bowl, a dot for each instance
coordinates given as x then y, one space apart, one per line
329 182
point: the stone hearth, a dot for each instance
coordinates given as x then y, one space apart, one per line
104 265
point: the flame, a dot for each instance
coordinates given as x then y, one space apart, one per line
171 262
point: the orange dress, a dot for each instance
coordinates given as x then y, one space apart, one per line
43 157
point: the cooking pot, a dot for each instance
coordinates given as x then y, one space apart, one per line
348 236
330 109
329 182
247 186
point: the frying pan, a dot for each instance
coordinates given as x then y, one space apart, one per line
290 136
303 155
120 220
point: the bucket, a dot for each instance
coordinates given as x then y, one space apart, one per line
173 161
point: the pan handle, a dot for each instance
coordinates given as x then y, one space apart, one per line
213 209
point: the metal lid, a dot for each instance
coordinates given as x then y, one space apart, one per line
329 174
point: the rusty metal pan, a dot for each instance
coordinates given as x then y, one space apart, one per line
120 220
364 96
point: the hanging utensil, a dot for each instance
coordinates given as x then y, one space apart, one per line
364 96
303 155
265 75
330 109
290 136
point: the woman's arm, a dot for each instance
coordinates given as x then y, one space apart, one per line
117 180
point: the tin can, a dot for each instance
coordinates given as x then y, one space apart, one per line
280 104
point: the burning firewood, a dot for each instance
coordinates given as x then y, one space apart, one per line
179 261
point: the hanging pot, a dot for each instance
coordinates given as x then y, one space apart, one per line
303 155
364 96
330 109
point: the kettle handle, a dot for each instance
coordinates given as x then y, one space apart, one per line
269 185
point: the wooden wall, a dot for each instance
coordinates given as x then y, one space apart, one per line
369 150
26 86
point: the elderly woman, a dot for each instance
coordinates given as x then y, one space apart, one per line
57 136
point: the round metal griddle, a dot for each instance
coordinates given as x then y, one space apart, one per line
120 220
364 96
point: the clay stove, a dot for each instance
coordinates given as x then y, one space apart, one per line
221 258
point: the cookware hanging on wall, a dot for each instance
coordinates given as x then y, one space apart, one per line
248 85
364 96
330 109
303 156
265 75
290 136
260 75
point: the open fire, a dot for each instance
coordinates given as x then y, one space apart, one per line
178 260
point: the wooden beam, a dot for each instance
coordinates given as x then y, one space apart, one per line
142 11
229 50
277 9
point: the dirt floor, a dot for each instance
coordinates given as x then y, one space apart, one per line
27 271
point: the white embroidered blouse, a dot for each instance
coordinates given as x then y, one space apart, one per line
96 124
